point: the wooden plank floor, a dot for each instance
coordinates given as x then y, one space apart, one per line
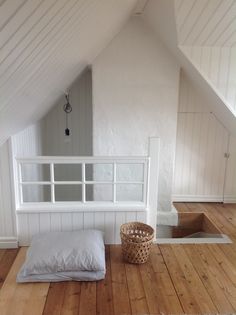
178 279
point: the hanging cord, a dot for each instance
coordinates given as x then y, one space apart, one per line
67 109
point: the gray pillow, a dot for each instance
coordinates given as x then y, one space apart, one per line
53 253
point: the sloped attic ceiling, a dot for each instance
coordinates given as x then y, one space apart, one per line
44 46
218 15
207 35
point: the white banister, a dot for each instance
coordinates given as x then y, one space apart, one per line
154 146
53 182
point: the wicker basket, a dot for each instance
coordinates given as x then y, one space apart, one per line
136 241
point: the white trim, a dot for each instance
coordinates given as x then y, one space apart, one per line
152 184
81 207
84 159
224 239
197 198
8 242
229 199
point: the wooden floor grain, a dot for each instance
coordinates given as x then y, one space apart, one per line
177 279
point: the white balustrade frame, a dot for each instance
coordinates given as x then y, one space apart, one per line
83 204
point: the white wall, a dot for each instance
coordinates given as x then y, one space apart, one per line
25 143
230 181
135 96
107 221
80 121
218 66
7 215
202 173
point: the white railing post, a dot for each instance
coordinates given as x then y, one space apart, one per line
154 146
83 183
52 182
20 183
114 182
146 167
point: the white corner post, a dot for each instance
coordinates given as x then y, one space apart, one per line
154 148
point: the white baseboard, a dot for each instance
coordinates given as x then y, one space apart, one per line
8 242
167 217
197 198
229 199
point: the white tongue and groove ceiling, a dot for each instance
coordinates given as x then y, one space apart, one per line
207 36
206 22
44 46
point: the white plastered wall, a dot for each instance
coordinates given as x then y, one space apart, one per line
135 96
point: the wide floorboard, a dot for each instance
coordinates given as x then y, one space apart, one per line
177 279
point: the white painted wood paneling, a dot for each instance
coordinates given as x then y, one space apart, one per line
44 46
201 143
207 35
218 66
53 125
230 180
7 215
109 222
28 142
206 22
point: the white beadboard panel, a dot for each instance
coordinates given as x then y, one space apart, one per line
201 171
142 217
200 163
28 142
7 216
120 219
110 227
189 100
130 217
23 229
53 126
56 222
88 220
34 223
49 39
218 66
201 143
99 220
66 222
206 22
77 221
109 222
44 222
230 181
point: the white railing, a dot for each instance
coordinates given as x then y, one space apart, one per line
124 179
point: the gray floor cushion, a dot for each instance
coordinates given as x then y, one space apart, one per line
64 256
